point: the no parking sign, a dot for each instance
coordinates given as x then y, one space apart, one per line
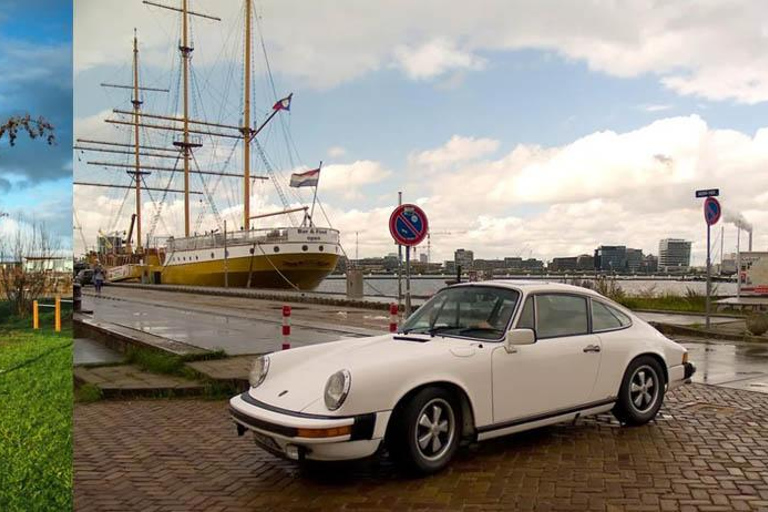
408 225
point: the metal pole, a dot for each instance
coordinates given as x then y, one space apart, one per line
738 262
136 108
399 262
185 54
709 274
314 198
407 281
247 122
226 266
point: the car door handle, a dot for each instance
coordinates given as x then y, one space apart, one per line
592 348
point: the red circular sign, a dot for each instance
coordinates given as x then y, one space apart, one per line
408 225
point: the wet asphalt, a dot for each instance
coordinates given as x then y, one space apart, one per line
739 365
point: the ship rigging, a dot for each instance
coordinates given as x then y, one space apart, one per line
296 256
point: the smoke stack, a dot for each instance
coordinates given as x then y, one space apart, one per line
738 220
750 240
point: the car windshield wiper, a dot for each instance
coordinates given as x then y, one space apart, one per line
479 329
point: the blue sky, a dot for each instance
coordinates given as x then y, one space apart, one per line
520 127
35 56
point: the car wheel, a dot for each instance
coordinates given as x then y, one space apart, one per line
424 433
641 393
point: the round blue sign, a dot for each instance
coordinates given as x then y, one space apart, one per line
712 211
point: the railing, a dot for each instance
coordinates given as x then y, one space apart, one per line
254 236
57 314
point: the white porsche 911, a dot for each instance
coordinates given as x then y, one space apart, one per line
477 361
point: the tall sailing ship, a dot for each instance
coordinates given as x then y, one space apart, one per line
298 255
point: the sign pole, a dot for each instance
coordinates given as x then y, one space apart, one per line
399 262
226 267
407 281
709 273
712 212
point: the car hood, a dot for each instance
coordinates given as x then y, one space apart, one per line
297 377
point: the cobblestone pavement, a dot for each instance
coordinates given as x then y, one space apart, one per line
708 451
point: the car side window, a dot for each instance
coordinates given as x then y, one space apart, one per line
624 320
604 318
561 315
526 317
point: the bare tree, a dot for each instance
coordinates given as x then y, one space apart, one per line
27 259
35 128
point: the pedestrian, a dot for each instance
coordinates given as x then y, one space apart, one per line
98 279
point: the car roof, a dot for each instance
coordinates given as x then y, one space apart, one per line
531 286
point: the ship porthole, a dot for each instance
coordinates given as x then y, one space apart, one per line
304 248
320 248
277 249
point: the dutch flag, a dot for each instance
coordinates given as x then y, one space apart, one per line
305 179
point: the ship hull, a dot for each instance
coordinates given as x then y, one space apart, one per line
290 271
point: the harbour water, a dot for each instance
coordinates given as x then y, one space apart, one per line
424 286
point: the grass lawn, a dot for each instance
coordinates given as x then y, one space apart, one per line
35 416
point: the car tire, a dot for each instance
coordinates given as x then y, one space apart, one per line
641 393
415 441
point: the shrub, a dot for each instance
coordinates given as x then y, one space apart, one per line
757 324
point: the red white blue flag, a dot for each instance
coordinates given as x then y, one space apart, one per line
305 179
283 104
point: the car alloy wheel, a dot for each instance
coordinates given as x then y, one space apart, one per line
435 429
644 389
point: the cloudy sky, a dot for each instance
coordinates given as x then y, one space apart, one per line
532 128
36 78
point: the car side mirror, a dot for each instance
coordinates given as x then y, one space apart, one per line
517 337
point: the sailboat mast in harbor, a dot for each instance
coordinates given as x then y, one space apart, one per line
287 257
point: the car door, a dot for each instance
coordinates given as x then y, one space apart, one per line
557 372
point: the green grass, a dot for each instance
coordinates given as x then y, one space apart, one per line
695 304
35 418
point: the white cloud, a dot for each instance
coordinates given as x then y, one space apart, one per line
714 51
336 151
348 180
435 58
457 150
655 108
630 188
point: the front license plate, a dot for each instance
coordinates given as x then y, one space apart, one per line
266 442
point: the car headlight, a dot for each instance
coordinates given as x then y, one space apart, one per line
337 389
259 371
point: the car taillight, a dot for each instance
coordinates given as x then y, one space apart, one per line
685 357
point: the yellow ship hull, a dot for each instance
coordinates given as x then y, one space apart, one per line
303 271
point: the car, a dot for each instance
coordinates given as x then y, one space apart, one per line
476 361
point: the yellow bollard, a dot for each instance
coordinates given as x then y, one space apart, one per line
58 314
35 323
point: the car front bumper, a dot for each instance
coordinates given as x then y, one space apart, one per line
298 436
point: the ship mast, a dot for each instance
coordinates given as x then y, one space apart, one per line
137 171
246 130
186 53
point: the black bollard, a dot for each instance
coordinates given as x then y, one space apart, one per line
77 297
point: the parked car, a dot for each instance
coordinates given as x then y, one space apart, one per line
477 361
85 276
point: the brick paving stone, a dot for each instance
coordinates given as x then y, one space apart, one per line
706 452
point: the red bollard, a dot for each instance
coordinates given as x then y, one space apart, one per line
393 317
286 327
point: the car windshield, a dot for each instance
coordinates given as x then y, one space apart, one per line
481 312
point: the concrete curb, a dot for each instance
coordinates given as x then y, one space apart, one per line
703 333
